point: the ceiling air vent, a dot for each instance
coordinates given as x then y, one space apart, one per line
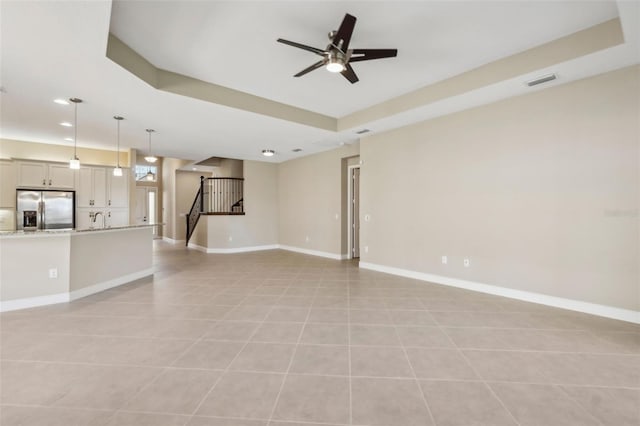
296 149
363 131
540 80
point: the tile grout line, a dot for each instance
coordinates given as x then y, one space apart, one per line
578 405
483 380
415 377
295 350
227 369
349 351
162 372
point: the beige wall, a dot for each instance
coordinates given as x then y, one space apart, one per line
99 257
169 167
25 262
231 168
259 225
46 152
311 200
540 192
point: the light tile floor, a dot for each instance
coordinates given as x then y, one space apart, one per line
281 339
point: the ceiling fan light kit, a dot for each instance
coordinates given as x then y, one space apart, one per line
337 57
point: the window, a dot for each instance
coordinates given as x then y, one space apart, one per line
146 173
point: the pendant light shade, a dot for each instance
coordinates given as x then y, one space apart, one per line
74 163
150 158
118 170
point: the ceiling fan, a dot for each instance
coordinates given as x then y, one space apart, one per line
337 56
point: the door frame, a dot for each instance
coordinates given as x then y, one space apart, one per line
350 170
148 189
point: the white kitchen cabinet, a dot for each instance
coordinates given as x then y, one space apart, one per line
84 220
7 185
118 189
61 176
111 219
118 217
91 187
45 175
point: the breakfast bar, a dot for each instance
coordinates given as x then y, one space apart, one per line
46 267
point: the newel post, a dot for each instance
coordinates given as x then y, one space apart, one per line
201 194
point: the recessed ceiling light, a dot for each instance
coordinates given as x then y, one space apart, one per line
68 139
66 124
268 152
61 101
194 168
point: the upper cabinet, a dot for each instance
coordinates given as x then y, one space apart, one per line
45 175
118 189
7 184
92 187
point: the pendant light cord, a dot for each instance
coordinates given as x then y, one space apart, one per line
118 145
75 130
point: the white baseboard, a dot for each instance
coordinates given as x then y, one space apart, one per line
210 250
197 247
543 299
32 302
313 252
268 247
106 285
172 241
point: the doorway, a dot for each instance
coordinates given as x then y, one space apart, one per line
147 207
354 212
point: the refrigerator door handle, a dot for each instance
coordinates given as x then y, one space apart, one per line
41 224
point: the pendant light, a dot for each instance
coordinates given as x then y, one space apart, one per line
150 158
118 170
150 176
74 163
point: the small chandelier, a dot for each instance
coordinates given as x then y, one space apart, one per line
74 163
118 170
150 158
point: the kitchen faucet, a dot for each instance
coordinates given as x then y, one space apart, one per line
95 217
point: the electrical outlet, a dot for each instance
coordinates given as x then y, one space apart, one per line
366 249
466 262
306 238
444 260
230 238
53 273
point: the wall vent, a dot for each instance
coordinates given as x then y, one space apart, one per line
543 79
360 132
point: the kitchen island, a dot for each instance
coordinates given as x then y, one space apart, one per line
45 267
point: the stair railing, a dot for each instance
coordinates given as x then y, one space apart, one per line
216 196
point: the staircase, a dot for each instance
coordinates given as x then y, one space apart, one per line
216 196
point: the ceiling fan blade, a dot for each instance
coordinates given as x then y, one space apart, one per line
311 68
358 55
302 46
343 36
350 74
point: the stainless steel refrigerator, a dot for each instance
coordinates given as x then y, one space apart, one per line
45 209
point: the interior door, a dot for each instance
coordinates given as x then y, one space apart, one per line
355 212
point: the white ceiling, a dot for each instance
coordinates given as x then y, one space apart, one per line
57 50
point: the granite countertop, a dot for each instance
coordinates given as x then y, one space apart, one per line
53 232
